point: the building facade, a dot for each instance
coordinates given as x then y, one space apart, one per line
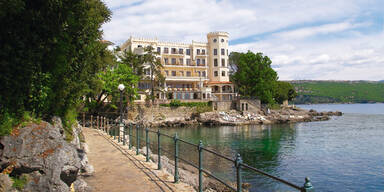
196 71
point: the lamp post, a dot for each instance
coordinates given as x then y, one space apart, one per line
121 89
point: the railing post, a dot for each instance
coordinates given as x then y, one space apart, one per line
130 136
101 123
108 127
105 124
147 144
83 119
175 138
238 162
308 186
114 131
124 133
118 133
97 122
137 139
200 148
158 150
91 121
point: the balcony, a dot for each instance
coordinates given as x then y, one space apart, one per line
186 78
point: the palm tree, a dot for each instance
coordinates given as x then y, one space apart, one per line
156 77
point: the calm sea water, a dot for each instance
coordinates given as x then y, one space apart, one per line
343 154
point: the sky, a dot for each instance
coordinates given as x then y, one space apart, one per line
305 39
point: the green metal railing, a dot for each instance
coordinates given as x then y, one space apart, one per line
113 129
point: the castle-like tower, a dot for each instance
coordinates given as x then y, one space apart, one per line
218 56
196 71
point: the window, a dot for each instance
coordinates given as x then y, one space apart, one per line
216 73
215 62
166 73
214 51
223 62
181 51
181 73
203 61
214 40
222 51
158 50
198 61
203 51
181 61
188 61
173 73
222 40
199 73
139 46
188 73
165 49
203 74
223 74
173 50
166 61
188 51
173 61
198 51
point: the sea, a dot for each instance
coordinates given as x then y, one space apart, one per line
345 153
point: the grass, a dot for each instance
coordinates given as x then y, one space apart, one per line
10 121
69 120
19 182
178 103
200 107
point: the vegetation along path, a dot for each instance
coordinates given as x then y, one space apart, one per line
118 169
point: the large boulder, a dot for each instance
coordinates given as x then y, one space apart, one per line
40 151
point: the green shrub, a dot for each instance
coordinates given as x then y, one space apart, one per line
69 120
178 103
274 106
7 122
175 103
19 182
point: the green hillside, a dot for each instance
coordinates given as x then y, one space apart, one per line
338 91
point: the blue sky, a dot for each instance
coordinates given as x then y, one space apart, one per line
316 39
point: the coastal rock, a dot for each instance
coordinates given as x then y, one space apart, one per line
39 151
5 182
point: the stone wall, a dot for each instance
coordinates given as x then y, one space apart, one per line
223 105
248 105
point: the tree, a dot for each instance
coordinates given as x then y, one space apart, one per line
156 77
284 91
254 76
50 49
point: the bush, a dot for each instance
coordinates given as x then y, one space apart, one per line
69 120
19 182
178 103
7 122
175 103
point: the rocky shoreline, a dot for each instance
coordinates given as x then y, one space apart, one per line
234 118
39 155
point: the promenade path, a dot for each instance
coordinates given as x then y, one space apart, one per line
118 169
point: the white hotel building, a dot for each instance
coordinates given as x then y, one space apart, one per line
196 71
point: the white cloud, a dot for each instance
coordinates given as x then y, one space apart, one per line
320 30
287 31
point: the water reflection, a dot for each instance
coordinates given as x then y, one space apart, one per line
259 146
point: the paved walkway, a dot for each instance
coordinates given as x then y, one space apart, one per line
118 169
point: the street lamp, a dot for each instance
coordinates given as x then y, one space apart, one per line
121 89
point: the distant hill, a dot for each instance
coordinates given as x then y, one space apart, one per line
338 91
